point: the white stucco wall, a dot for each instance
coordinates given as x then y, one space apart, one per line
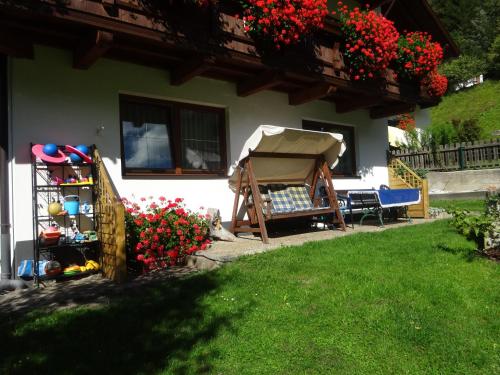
52 102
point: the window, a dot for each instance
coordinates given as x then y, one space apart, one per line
347 162
170 138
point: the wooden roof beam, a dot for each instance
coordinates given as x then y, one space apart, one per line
314 92
391 110
16 46
190 69
348 105
91 48
265 81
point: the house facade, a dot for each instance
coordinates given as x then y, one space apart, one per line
167 117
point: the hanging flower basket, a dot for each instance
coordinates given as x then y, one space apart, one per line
370 42
418 56
435 84
283 22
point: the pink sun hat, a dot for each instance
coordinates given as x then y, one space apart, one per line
37 150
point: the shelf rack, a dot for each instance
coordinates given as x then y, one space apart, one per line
44 192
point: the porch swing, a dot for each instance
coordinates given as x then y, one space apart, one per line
284 173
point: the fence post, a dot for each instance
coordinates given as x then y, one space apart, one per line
461 159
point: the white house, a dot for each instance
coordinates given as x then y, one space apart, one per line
168 119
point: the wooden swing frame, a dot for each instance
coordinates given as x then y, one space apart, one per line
257 218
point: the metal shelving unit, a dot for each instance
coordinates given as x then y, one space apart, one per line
45 191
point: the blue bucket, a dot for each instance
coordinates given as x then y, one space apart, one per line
72 204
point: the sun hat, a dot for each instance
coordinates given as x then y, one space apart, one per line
37 150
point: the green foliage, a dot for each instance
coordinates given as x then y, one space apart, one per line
494 59
481 102
467 130
478 228
463 68
473 227
420 172
473 24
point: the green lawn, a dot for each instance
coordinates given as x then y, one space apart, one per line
463 204
481 102
402 301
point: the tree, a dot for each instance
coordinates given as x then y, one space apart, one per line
494 58
474 25
463 68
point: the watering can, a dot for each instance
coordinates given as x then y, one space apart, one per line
72 204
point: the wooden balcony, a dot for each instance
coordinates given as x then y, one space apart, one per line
202 43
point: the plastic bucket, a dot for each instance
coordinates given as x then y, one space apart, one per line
72 204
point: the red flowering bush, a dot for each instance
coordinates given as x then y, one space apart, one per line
436 84
162 234
370 42
284 22
406 122
418 55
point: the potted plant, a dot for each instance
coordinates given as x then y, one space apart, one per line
281 23
370 42
418 56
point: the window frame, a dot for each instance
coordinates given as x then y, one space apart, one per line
351 148
175 131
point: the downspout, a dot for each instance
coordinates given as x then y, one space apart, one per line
4 174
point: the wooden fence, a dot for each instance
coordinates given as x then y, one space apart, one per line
110 225
458 156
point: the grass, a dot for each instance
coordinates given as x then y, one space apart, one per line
463 204
481 102
402 301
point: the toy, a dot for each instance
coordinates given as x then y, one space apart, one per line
77 152
57 158
72 204
56 180
82 148
75 158
52 268
54 208
91 235
50 236
92 265
85 207
80 237
50 149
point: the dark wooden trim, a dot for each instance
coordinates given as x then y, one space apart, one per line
391 110
91 48
175 133
264 81
190 69
314 92
16 46
352 104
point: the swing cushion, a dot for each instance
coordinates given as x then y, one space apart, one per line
281 200
300 197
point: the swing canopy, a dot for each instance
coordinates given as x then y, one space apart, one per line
287 154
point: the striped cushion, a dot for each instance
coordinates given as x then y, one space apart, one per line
281 200
300 197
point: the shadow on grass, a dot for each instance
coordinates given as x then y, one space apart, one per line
153 328
467 253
